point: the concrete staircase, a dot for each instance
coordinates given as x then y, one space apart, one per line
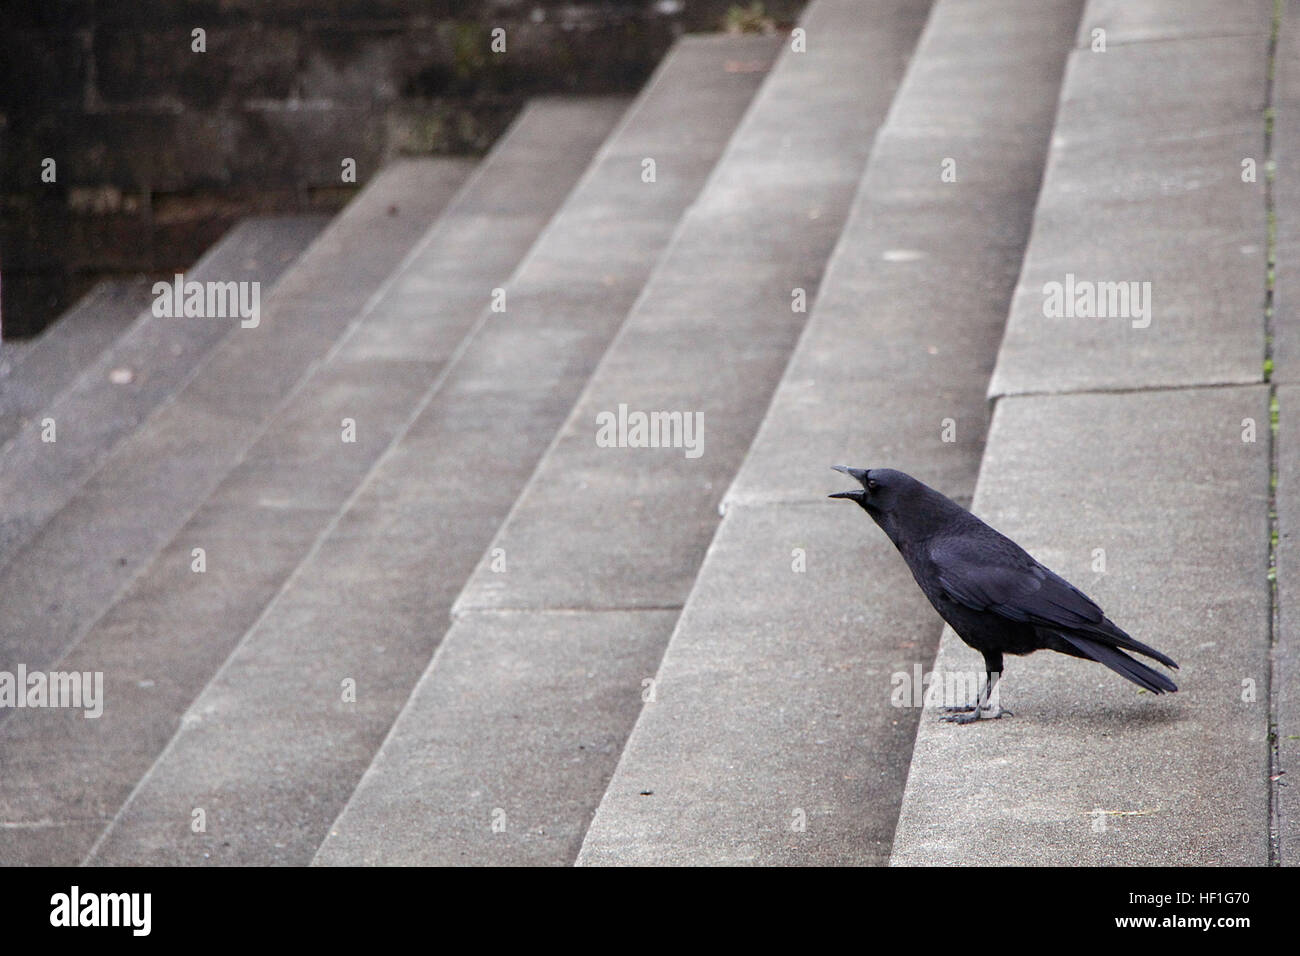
387 579
600 549
479 426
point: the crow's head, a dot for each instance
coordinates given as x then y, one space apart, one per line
881 487
899 504
886 494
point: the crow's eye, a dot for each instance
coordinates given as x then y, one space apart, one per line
872 485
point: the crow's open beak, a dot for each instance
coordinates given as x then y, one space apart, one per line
860 474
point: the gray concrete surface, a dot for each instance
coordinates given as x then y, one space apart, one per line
262 521
152 481
1286 638
93 415
619 532
1144 185
1091 771
774 739
265 515
601 527
554 709
1286 355
1286 201
1126 21
89 554
370 601
54 359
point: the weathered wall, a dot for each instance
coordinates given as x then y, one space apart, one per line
159 148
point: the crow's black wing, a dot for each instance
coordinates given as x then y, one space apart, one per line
992 573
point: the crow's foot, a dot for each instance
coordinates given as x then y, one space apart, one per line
969 715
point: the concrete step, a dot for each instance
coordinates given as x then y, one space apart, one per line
55 358
505 746
772 738
102 546
269 748
1139 456
1181 93
94 413
1286 372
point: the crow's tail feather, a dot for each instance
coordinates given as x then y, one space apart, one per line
1108 632
1120 663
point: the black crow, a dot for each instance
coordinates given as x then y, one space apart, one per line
996 597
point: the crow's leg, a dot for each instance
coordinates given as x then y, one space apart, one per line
990 710
982 709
